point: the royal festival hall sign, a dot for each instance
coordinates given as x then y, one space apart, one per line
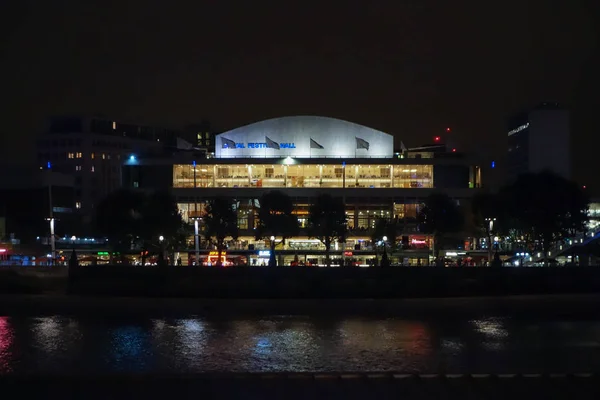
259 146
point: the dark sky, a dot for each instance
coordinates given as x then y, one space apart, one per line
409 68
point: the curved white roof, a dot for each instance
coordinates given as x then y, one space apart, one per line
304 136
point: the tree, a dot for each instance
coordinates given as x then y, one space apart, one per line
160 219
547 207
133 219
276 218
384 227
118 218
221 222
327 222
439 216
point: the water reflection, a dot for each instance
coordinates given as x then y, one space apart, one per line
494 332
6 340
58 344
130 348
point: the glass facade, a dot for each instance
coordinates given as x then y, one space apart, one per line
302 176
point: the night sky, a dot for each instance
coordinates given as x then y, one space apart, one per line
409 68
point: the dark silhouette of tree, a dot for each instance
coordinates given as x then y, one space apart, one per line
385 227
132 219
385 261
160 217
118 218
439 216
276 218
327 222
221 222
547 207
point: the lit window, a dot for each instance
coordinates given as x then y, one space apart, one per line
77 204
78 168
70 155
93 169
108 156
114 125
93 155
103 156
78 155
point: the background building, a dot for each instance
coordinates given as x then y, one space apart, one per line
539 139
92 150
306 156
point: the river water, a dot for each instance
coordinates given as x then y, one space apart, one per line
94 344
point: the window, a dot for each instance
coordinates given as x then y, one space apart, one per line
78 168
93 155
103 156
93 169
70 155
77 204
78 155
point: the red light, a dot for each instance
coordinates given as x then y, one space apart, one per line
2 250
437 138
454 150
447 129
584 186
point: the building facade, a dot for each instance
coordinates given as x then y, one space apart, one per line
539 139
307 156
93 149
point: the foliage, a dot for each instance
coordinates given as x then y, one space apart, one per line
439 216
276 218
160 217
385 227
547 207
221 222
327 221
118 218
385 260
134 219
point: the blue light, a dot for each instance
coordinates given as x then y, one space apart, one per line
132 158
49 165
194 164
493 164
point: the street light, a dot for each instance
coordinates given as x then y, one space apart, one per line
161 238
272 260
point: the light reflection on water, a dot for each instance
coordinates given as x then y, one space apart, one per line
60 344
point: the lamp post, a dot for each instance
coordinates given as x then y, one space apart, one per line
196 219
51 219
272 260
490 228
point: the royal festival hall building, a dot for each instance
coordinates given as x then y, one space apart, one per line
305 156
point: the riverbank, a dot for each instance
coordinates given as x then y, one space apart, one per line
38 305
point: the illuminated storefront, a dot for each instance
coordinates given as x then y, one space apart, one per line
303 157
